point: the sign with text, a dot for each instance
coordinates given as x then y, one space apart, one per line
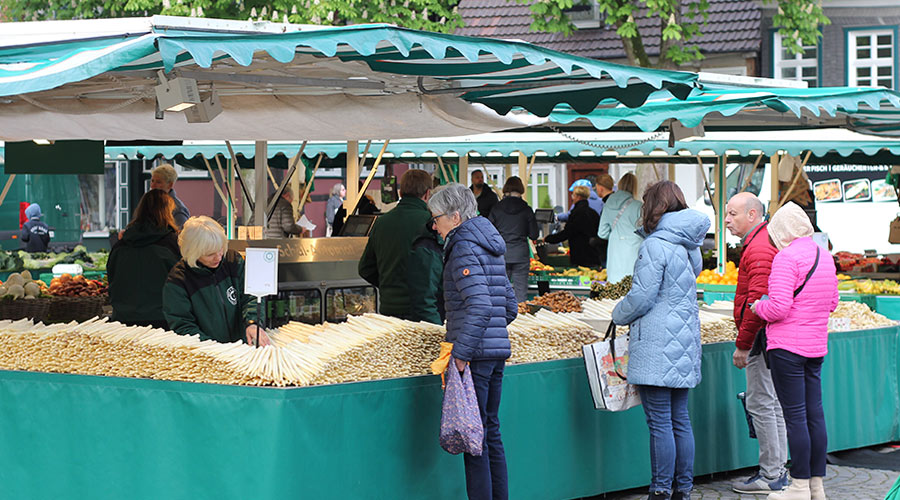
261 273
850 183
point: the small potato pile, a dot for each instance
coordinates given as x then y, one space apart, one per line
557 302
78 286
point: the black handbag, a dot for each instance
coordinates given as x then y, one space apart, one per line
759 343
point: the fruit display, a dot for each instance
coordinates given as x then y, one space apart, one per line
711 277
870 287
76 286
536 265
22 286
19 260
848 261
592 274
611 290
843 277
561 301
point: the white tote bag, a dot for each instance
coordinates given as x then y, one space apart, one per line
607 364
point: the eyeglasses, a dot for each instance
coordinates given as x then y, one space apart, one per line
434 219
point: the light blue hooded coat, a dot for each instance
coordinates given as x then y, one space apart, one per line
624 242
661 308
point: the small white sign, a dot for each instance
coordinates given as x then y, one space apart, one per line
261 273
838 324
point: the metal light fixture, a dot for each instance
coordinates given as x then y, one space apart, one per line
206 110
177 94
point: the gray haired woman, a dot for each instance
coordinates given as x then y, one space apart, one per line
338 193
480 303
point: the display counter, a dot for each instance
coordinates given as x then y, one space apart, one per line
73 436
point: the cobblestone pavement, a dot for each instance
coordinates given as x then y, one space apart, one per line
841 483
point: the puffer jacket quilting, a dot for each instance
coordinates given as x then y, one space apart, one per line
479 300
661 308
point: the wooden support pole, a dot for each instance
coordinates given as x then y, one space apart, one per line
774 193
237 169
9 182
783 198
260 164
523 167
712 201
212 177
464 168
352 173
369 178
226 181
444 170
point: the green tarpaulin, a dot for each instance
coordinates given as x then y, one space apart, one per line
69 436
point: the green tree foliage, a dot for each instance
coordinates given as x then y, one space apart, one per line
430 15
798 21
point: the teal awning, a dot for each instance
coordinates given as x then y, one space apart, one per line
749 107
286 82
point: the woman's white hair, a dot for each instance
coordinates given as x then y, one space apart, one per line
454 198
167 172
336 189
201 236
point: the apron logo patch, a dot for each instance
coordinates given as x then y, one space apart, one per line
231 293
466 272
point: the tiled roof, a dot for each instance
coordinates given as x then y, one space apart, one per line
733 26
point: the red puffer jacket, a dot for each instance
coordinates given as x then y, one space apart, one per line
753 283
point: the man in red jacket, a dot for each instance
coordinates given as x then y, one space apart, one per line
744 218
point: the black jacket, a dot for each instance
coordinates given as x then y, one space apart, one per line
515 221
36 235
138 266
486 200
582 226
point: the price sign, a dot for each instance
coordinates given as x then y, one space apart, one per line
261 273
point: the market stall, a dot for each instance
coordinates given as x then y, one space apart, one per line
108 437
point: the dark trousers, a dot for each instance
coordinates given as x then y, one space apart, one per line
517 272
798 384
486 475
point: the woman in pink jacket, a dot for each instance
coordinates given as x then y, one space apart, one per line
802 293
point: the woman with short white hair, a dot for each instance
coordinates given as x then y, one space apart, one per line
204 293
480 303
338 193
163 177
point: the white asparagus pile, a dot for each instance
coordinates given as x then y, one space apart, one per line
548 335
860 316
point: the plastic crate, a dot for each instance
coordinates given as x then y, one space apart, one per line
717 287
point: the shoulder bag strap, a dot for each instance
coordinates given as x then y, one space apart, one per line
621 211
809 274
611 335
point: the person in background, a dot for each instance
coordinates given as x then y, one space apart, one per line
581 227
282 223
35 233
385 260
480 304
204 292
484 195
618 224
424 273
594 199
603 188
664 339
336 201
802 293
744 218
163 177
366 204
140 261
515 221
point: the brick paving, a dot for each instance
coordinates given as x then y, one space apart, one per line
841 483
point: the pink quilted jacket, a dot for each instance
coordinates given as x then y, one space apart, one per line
800 325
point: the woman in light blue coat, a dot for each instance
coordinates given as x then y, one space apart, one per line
618 224
664 338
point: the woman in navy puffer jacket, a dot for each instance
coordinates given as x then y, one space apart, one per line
480 303
664 339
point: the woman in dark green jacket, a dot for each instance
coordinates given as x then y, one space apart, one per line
204 294
141 260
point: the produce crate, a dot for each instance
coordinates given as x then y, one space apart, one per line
66 309
35 309
888 305
869 300
717 288
561 280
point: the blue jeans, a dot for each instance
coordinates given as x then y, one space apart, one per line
798 383
671 438
486 475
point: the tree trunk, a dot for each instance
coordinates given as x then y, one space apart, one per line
634 49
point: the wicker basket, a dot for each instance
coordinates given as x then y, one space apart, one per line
66 309
35 309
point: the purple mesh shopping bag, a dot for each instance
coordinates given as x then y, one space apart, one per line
461 429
